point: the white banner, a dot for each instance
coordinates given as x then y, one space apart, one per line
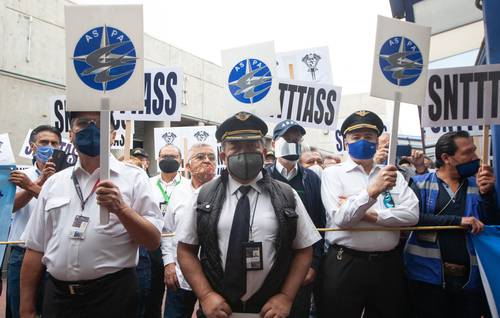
184 138
308 65
104 57
310 104
400 60
252 83
462 96
6 153
162 96
59 118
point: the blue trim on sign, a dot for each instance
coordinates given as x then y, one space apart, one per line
491 12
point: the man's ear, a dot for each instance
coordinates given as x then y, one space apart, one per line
272 143
223 157
33 147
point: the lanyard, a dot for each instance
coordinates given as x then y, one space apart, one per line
166 196
79 190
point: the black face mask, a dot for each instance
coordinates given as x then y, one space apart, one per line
169 165
245 166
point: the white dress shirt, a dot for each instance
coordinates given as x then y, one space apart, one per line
350 180
106 248
181 193
285 173
20 217
264 229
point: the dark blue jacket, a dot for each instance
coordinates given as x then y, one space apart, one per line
313 204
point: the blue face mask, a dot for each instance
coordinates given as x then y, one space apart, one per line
362 149
87 141
43 153
468 169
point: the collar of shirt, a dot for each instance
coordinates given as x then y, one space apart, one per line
287 174
173 182
114 165
350 165
234 185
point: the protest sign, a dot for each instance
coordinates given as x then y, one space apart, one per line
6 154
252 84
487 246
184 138
310 104
462 96
400 60
59 118
308 65
7 194
162 96
104 66
104 57
400 67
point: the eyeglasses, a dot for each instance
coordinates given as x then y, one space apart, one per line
85 122
202 155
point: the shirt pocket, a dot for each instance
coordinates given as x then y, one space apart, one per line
53 208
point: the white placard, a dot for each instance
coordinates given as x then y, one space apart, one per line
59 118
66 146
309 65
432 134
184 138
104 57
462 96
6 153
251 80
310 104
162 96
400 60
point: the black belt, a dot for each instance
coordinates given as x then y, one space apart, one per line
84 287
361 254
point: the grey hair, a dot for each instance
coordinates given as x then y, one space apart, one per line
199 145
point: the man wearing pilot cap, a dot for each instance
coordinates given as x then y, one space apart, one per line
364 270
253 232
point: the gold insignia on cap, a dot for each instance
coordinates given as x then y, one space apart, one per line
242 116
362 113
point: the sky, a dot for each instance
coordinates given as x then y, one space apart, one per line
204 28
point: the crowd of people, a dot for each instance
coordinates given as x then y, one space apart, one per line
187 241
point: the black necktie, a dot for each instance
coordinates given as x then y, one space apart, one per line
235 278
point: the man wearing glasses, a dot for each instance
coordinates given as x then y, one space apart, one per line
364 270
91 266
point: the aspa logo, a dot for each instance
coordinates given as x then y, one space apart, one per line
201 135
401 61
249 81
169 137
104 58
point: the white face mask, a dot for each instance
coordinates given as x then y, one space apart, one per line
317 169
286 150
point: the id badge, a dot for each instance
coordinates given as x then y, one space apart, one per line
253 256
78 227
427 236
163 208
